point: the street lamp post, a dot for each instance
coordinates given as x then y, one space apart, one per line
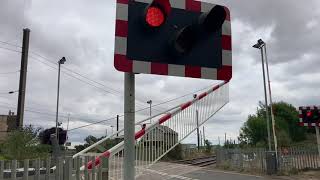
150 103
61 61
259 45
271 103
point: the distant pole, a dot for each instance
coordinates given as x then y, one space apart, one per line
219 140
66 148
68 124
318 139
117 125
198 137
112 130
150 113
225 138
204 136
23 78
129 120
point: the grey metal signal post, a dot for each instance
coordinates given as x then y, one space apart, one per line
129 120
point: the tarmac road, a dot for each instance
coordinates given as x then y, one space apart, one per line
170 171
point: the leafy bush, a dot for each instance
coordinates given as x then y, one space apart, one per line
24 144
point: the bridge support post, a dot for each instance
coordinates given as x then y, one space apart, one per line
129 132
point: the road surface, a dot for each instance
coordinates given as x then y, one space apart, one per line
169 171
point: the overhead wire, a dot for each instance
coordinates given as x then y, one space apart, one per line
52 115
96 82
68 69
10 44
119 94
10 72
13 50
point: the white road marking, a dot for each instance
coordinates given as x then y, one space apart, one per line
233 173
169 175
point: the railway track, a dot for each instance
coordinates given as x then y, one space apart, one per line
201 162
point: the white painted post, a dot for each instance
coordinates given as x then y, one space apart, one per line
86 171
14 170
78 165
26 169
37 174
48 163
93 169
1 170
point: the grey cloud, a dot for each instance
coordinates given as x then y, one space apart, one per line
83 32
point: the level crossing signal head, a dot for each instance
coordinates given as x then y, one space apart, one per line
176 37
309 116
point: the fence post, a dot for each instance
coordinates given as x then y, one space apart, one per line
67 170
37 169
99 174
48 169
59 169
26 169
105 168
93 169
78 165
1 170
14 170
86 172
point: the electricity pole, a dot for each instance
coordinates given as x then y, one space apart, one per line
23 78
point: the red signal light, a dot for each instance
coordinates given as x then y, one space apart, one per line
309 114
154 16
157 12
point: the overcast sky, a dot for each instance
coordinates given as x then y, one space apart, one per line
83 32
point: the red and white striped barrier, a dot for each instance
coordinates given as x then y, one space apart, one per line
165 118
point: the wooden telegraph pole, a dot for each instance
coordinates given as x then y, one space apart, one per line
23 78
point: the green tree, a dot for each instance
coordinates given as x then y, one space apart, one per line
24 144
208 145
254 130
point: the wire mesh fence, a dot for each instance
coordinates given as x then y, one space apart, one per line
290 159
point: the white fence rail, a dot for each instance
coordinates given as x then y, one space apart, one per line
62 169
153 141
